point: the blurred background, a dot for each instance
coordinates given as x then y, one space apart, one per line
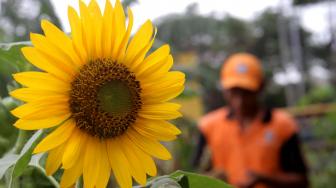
294 38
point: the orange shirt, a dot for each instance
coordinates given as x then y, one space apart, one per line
257 148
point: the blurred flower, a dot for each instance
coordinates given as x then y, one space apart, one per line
107 99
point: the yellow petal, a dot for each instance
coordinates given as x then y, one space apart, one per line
171 79
119 164
162 94
77 34
71 175
122 47
74 149
157 56
42 62
105 170
164 111
54 160
97 25
88 29
147 161
99 38
158 137
139 42
156 129
157 70
41 80
157 126
88 18
119 28
155 136
56 138
42 108
62 41
92 162
136 62
141 38
53 53
136 169
32 94
107 29
94 8
150 146
40 123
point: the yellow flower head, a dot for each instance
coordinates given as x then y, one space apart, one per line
106 97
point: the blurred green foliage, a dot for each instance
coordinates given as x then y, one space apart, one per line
321 94
306 2
320 149
12 61
321 152
20 17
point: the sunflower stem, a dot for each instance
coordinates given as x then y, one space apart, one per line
20 141
51 179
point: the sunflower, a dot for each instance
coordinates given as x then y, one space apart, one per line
102 94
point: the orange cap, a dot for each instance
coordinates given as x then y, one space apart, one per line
242 70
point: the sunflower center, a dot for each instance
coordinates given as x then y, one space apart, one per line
115 97
105 98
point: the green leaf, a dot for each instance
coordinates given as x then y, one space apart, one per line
11 58
183 181
26 154
200 181
11 61
3 141
8 133
165 182
6 162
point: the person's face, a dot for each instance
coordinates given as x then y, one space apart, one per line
241 101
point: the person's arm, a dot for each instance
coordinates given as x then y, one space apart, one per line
293 165
209 171
288 180
201 143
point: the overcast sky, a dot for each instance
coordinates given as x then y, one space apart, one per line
313 18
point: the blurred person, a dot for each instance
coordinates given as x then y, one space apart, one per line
251 145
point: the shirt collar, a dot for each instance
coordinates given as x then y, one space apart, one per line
266 118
